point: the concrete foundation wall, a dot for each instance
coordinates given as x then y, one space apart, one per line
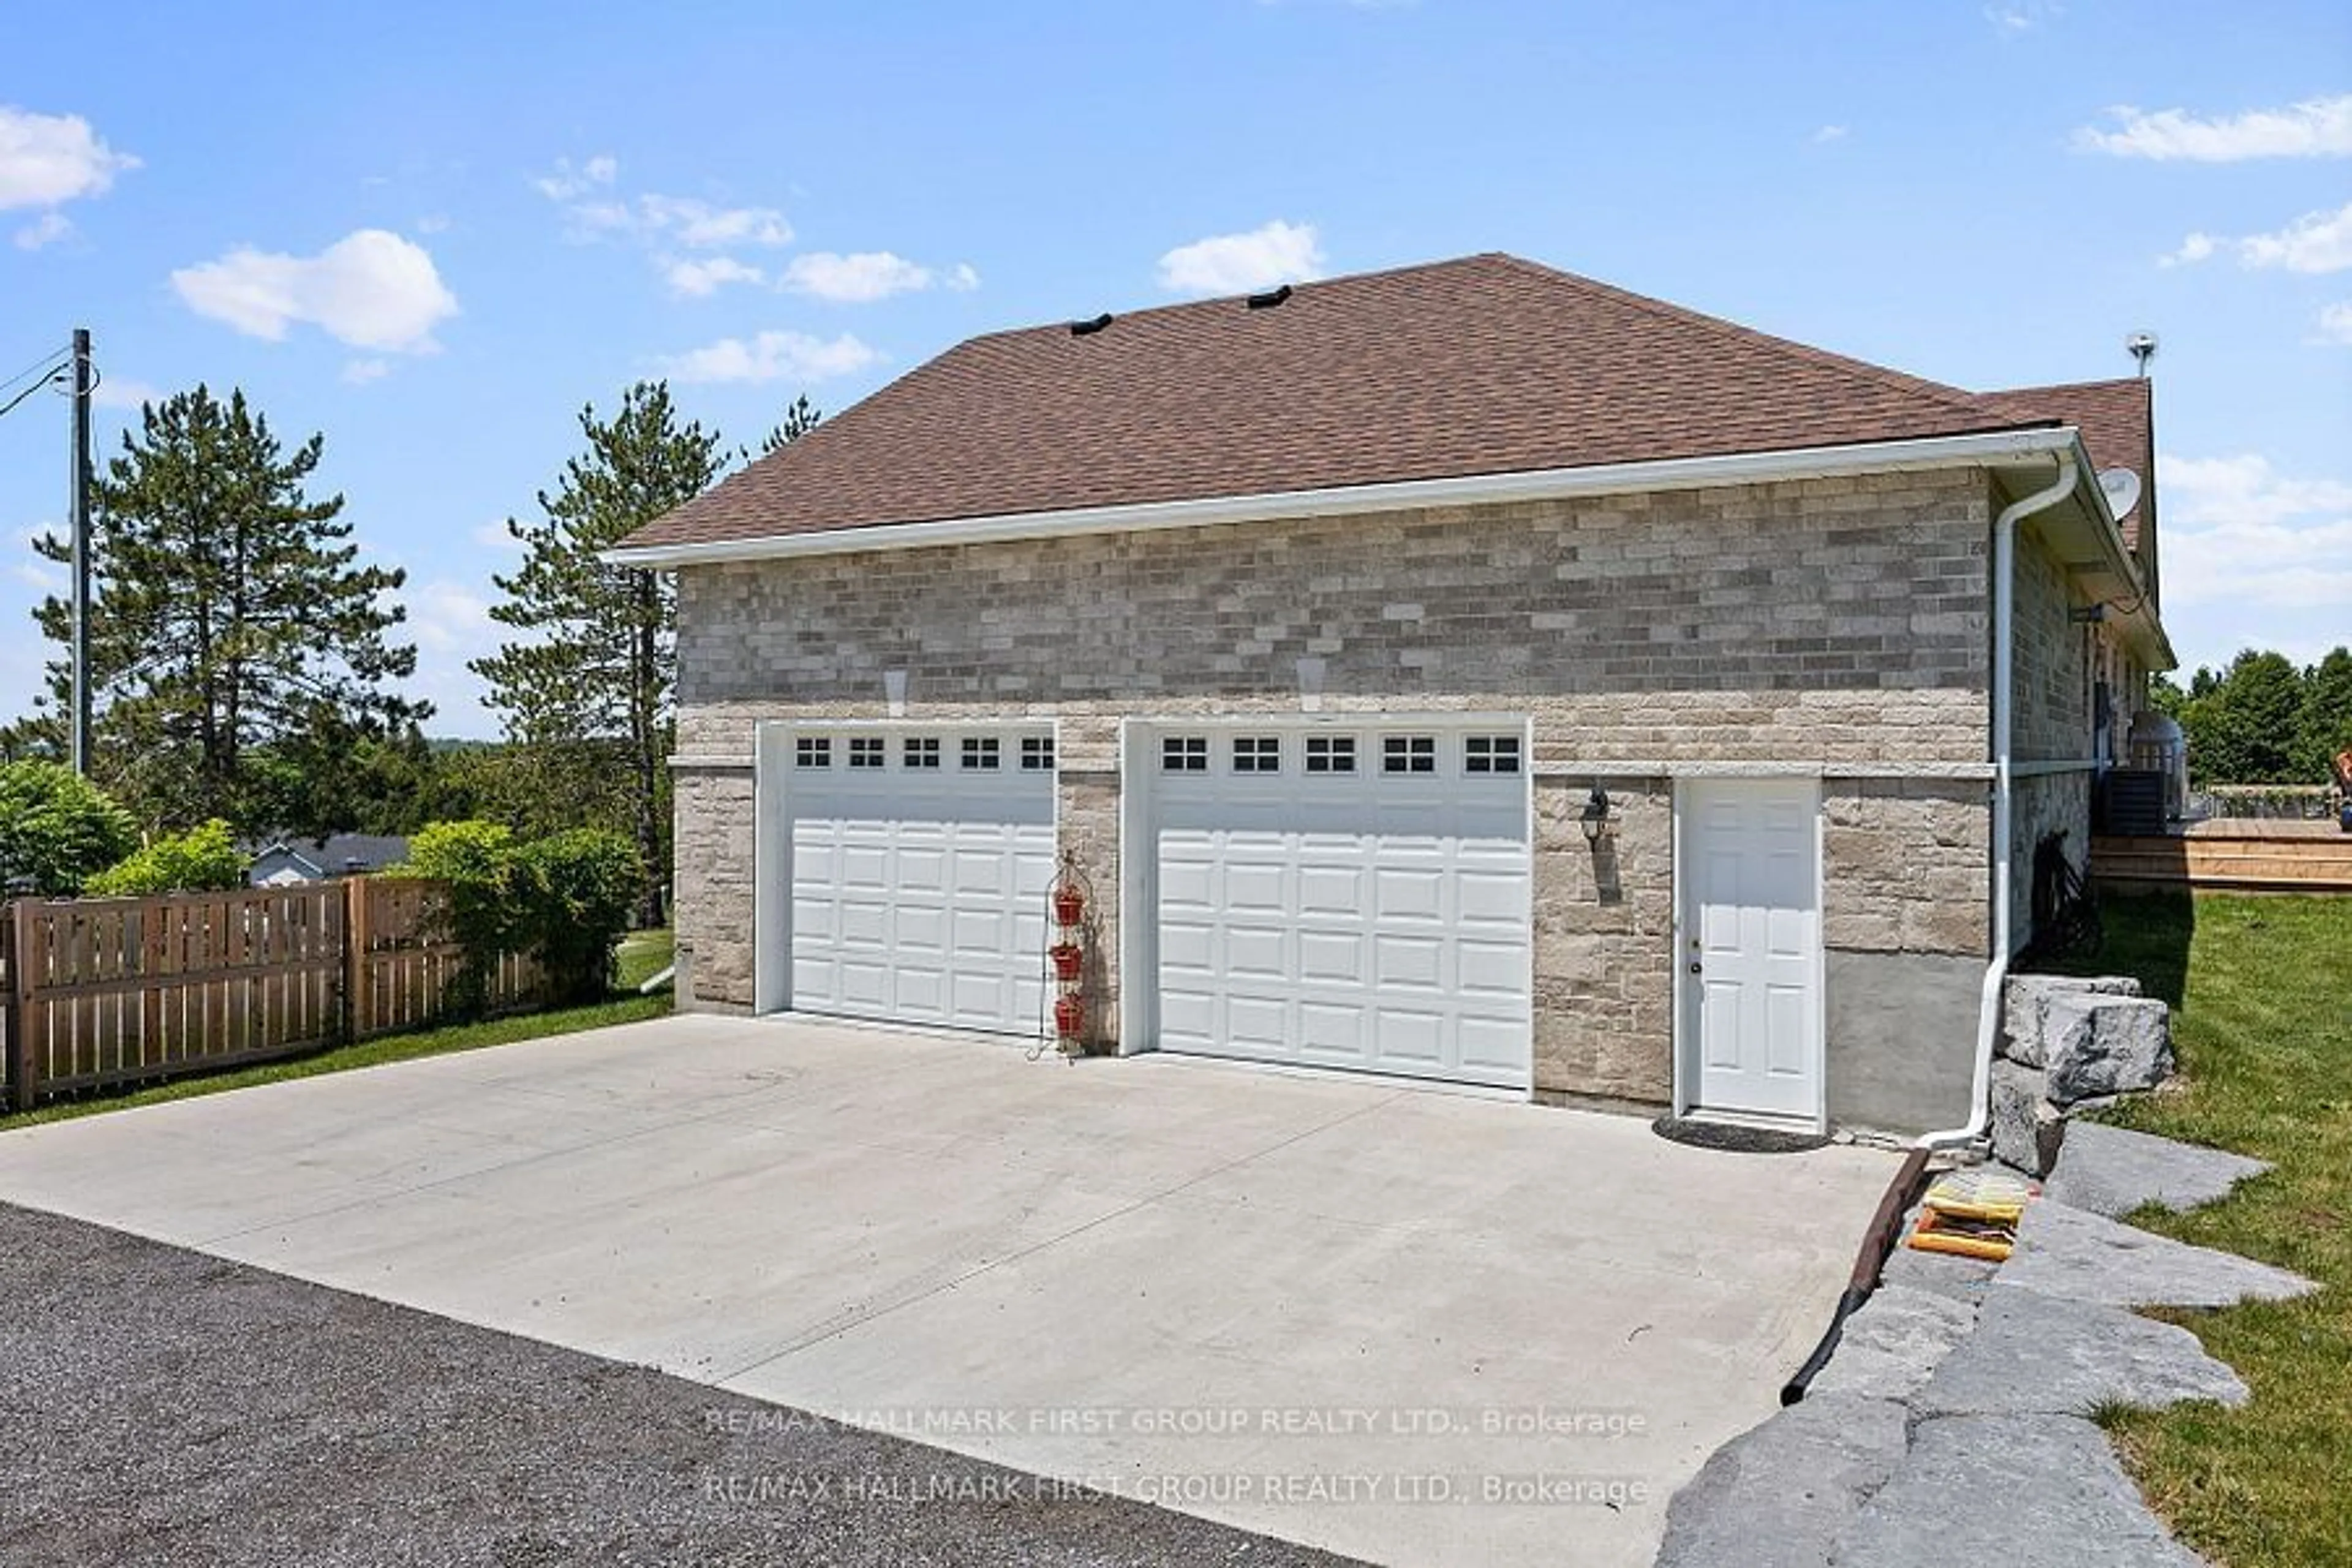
1834 626
1902 1038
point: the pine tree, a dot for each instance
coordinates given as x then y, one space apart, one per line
799 420
597 658
228 615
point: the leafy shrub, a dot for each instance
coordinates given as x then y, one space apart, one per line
202 859
485 915
469 851
565 898
57 828
580 888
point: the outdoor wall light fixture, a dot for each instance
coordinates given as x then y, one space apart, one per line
1595 818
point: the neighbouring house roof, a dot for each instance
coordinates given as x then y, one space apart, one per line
332 855
2117 423
1483 365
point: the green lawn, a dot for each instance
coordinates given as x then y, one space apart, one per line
643 954
2261 993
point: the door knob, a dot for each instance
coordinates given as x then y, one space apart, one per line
1694 966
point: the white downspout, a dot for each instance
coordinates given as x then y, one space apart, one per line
2004 613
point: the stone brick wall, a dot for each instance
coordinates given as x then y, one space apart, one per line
1604 955
713 869
1832 622
2051 721
1907 860
2051 717
1839 619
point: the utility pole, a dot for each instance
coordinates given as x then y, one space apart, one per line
78 515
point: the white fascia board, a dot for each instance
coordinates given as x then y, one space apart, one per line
1473 489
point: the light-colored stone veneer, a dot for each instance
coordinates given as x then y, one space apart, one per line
712 867
1833 622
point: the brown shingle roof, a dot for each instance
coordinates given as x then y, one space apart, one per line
2116 423
1487 364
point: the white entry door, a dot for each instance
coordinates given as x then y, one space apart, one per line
1343 895
1750 947
920 860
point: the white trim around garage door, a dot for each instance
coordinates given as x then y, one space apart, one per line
774 816
1142 895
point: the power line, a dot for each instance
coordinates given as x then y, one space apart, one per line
44 381
47 363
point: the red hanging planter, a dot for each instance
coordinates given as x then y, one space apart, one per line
1069 905
1069 960
1069 1017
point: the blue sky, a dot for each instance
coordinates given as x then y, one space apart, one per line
434 231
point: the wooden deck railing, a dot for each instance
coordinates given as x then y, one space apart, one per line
2255 859
102 992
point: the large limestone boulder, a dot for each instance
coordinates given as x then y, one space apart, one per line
2025 1006
2096 1044
2027 1130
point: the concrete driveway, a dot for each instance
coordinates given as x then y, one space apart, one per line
1400 1323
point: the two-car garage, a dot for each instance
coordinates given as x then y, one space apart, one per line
1342 892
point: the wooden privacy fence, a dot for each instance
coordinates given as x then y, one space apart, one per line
100 992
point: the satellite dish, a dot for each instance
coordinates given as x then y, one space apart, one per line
2123 490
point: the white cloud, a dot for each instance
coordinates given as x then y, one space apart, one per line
2316 128
1277 252
431 223
116 392
494 535
2021 16
372 289
2315 242
46 229
702 226
360 371
1828 134
2252 558
594 210
771 356
865 276
567 183
47 160
2195 248
451 623
2336 323
35 570
963 277
695 280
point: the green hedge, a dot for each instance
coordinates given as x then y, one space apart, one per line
565 900
203 859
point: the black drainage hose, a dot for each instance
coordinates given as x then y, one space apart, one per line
1876 1243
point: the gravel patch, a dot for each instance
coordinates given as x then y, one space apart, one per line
167 1409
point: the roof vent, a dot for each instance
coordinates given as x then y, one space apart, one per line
1088 328
1270 299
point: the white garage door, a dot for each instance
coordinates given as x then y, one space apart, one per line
1346 897
920 860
